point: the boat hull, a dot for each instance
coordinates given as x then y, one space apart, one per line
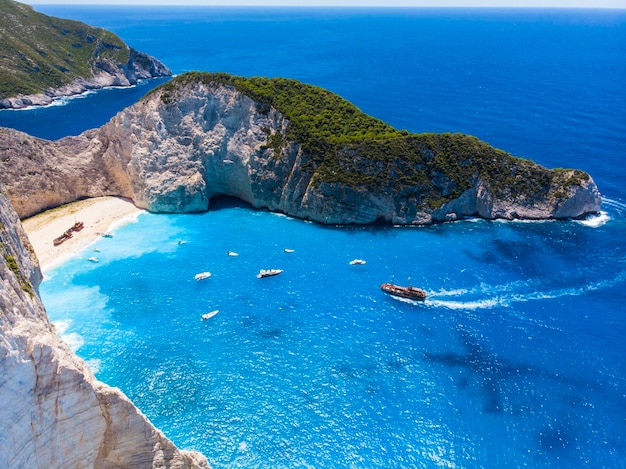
409 292
268 273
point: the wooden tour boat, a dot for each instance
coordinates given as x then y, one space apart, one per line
409 292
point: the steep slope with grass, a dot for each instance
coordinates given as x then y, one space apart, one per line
42 57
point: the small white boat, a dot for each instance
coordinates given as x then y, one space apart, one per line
93 259
357 262
210 315
289 251
107 235
182 241
268 273
202 275
232 253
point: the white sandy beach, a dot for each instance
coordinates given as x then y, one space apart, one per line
99 216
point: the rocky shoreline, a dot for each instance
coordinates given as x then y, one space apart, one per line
139 67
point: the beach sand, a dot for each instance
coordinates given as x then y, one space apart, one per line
99 215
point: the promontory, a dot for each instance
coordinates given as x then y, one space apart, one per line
43 58
284 146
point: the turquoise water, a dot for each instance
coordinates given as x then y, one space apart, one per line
517 356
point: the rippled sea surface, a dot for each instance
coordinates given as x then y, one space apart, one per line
517 356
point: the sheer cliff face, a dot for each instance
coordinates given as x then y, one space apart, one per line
55 413
174 150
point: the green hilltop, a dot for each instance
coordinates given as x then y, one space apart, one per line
38 52
346 146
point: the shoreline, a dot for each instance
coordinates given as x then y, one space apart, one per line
99 215
45 100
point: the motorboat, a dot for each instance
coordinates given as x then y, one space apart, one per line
289 251
409 292
210 315
357 262
93 259
202 275
232 253
268 273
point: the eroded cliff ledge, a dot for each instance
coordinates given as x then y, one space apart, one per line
54 412
288 147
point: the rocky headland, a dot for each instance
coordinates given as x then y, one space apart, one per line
288 147
43 58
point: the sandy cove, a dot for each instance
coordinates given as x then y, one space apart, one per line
99 215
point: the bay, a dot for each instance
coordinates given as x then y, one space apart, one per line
516 358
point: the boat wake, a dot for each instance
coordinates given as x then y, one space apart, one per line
510 294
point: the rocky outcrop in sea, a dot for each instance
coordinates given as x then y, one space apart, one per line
183 144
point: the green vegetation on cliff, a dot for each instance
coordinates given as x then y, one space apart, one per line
346 146
38 52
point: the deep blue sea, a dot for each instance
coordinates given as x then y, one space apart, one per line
518 356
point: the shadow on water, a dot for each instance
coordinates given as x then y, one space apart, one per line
224 202
487 369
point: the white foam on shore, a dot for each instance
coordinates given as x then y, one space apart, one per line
595 221
62 325
94 364
127 220
64 100
73 340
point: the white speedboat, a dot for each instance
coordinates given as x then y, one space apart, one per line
93 259
202 275
357 262
268 273
232 253
210 315
289 251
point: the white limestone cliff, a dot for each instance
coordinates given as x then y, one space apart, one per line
174 150
54 412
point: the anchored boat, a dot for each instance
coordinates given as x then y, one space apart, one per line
210 315
202 275
268 273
